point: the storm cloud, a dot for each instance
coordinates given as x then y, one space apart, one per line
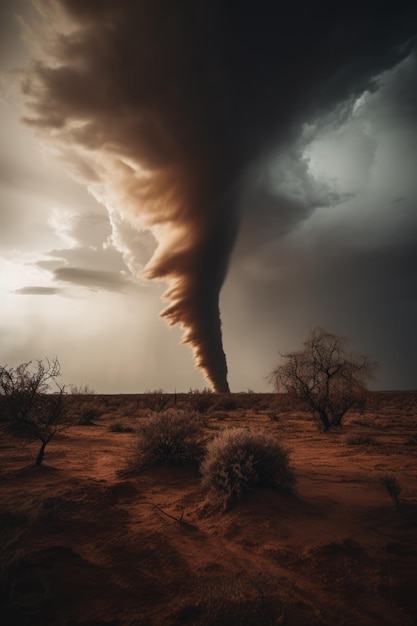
164 108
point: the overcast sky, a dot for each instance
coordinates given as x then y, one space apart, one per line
221 147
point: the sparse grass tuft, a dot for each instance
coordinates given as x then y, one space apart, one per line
238 460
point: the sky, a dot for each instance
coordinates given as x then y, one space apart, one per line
247 172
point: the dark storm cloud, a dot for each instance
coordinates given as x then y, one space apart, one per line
278 195
38 291
173 101
92 279
349 265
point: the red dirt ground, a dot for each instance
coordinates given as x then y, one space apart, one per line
82 545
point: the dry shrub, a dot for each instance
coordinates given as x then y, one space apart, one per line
155 400
169 438
201 401
225 402
250 401
88 416
238 460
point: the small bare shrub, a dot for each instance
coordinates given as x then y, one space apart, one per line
200 401
249 401
88 416
155 400
393 488
33 406
238 460
169 438
225 402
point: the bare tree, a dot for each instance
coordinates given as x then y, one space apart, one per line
32 403
325 376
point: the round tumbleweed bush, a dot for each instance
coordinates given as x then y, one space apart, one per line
169 438
238 460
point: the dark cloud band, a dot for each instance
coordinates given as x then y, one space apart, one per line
169 103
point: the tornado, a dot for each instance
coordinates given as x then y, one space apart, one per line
162 107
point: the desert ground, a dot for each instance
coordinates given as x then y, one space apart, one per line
84 542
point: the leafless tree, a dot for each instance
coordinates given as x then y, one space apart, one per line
325 376
32 403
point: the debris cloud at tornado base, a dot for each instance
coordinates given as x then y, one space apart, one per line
162 107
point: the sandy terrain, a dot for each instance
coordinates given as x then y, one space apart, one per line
82 544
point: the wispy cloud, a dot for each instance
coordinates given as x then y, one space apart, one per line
92 279
38 291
